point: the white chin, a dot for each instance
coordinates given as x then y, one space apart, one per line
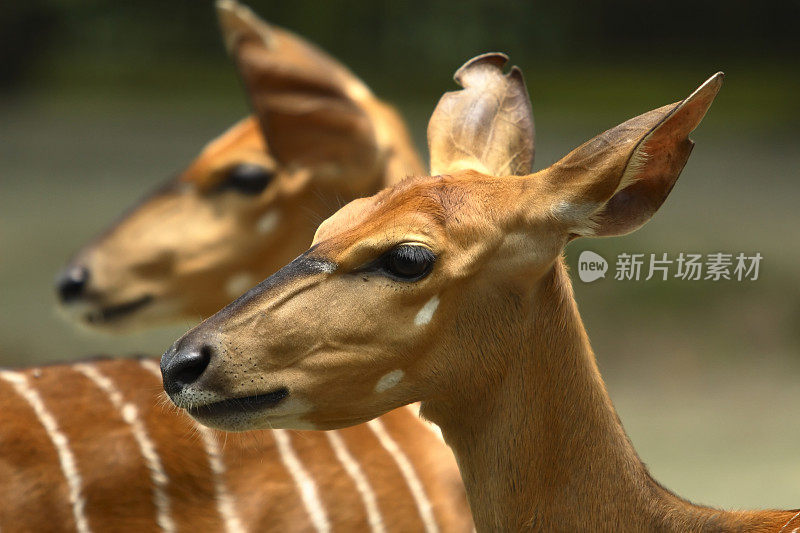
254 421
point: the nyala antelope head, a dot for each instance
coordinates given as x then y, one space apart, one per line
428 290
252 198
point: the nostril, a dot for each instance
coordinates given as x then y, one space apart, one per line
71 284
186 367
191 368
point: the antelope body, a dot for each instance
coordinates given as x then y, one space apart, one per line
455 287
89 446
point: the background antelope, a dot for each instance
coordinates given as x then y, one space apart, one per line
455 287
89 446
251 200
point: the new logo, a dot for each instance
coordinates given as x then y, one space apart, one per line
591 266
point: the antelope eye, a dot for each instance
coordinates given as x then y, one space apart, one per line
248 178
408 263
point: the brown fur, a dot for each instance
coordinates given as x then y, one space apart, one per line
488 125
503 363
181 245
117 485
325 136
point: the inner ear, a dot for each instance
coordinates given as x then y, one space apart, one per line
616 182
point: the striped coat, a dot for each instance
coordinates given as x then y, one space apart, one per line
94 446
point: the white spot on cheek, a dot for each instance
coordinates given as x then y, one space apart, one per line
389 380
268 222
426 313
239 283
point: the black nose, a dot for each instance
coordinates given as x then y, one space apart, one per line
71 283
183 365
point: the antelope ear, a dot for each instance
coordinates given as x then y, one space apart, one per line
614 183
308 104
486 126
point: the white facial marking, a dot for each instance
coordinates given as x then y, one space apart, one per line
292 407
389 380
268 222
239 283
289 414
426 313
327 267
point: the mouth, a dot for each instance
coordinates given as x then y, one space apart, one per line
246 404
114 312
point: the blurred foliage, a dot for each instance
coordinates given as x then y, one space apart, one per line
406 45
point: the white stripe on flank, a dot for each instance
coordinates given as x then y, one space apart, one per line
131 416
789 522
306 486
65 457
407 469
152 367
364 489
226 505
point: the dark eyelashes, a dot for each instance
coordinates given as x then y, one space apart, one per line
406 263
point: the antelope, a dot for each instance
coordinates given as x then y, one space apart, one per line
451 290
88 446
247 203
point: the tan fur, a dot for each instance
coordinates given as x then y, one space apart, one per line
181 246
117 487
327 139
504 364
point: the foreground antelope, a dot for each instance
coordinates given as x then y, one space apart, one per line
89 447
452 290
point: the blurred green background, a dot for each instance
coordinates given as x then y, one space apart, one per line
100 101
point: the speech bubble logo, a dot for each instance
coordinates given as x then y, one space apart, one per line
591 266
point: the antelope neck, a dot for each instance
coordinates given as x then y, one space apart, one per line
545 449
